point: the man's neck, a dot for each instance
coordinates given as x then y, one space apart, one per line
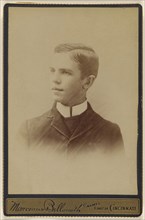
69 111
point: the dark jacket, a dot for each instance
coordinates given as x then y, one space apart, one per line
93 132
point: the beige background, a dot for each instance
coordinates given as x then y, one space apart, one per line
112 32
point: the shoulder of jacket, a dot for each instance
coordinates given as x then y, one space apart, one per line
98 120
39 121
106 124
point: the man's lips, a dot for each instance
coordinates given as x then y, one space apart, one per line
57 89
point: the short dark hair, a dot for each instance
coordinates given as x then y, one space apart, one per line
85 56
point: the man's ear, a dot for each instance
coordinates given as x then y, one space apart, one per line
88 81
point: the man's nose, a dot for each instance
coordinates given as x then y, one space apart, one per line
57 77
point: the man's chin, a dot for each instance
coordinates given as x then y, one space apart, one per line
57 98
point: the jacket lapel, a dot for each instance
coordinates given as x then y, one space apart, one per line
86 123
58 123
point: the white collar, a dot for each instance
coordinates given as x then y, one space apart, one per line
68 111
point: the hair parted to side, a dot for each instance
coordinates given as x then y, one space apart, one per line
88 61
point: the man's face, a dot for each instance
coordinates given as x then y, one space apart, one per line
66 81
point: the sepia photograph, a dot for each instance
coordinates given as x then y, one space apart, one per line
73 100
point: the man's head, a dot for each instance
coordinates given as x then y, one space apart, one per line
74 69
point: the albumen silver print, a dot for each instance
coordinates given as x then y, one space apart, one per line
72 125
73 122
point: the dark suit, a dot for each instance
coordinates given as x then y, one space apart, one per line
92 132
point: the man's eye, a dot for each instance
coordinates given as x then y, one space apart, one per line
65 72
52 70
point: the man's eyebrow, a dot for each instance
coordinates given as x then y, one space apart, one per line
61 69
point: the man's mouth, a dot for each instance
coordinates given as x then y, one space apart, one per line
57 89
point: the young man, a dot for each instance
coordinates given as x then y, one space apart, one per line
72 125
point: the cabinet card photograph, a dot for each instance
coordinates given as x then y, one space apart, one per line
72 110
